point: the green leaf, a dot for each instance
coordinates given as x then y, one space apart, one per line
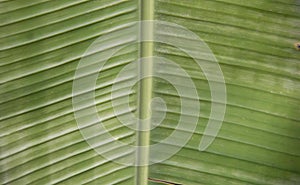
259 139
42 43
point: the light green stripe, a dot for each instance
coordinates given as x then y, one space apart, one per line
145 91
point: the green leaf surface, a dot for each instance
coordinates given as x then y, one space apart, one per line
259 139
42 42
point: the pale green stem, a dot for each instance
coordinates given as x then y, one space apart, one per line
145 91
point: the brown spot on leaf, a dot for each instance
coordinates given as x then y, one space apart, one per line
297 45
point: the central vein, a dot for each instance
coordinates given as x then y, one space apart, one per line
145 91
